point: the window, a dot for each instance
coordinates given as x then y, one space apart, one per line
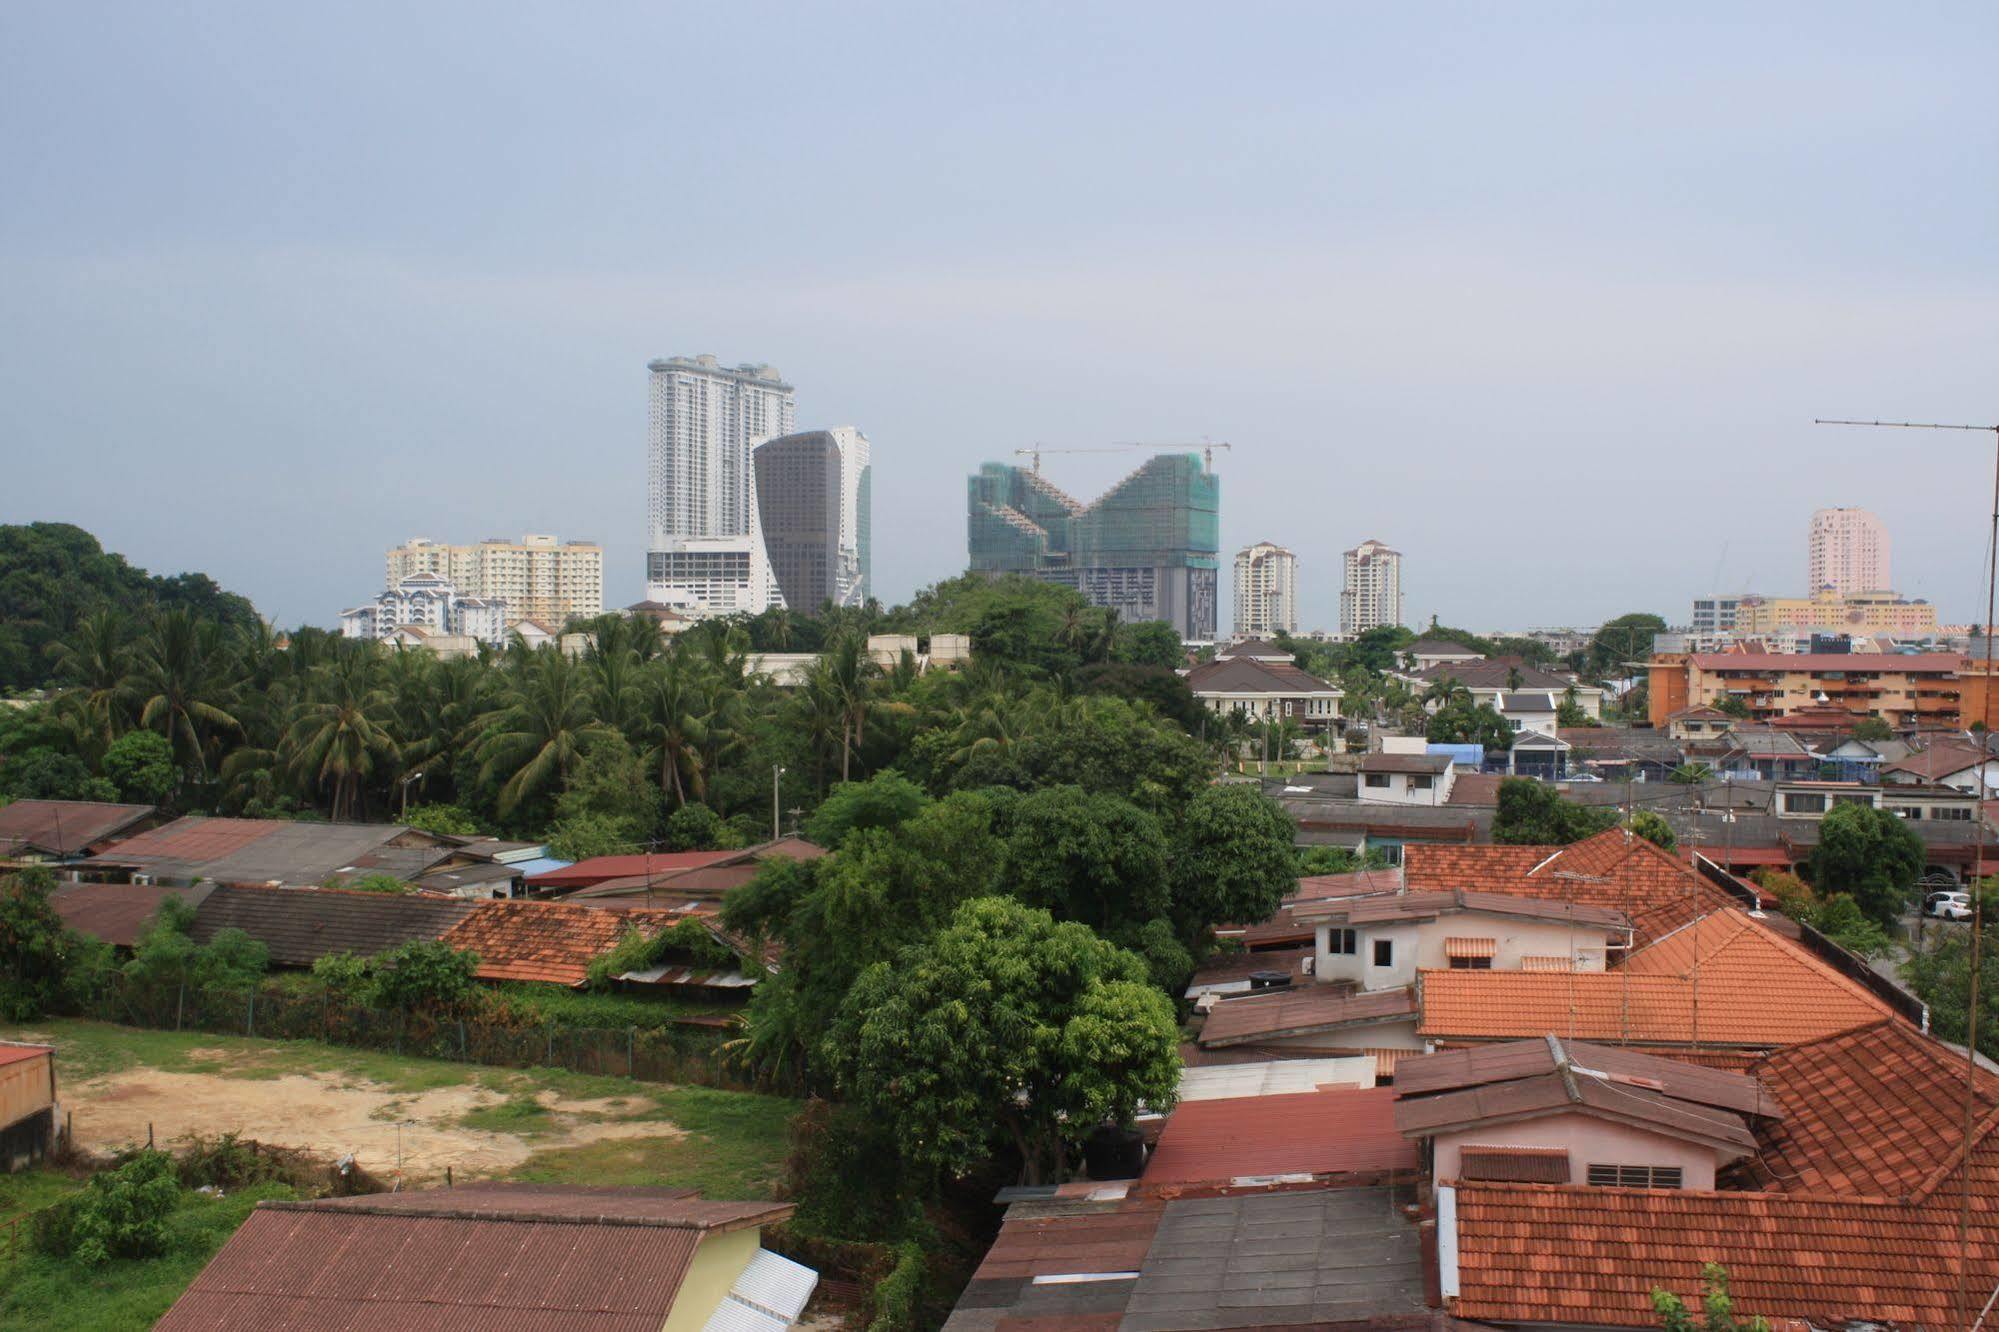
1376 779
1471 964
1634 1177
1341 942
1800 802
1422 783
1384 952
1956 814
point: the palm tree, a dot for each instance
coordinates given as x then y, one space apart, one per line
340 736
672 715
178 675
96 663
1445 691
842 676
542 728
1513 678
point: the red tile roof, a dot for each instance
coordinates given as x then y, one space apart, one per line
1340 1131
534 1260
598 869
550 941
1302 1010
1752 989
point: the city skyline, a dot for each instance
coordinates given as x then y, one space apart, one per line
1453 248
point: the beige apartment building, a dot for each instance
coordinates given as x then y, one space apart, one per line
539 577
1827 611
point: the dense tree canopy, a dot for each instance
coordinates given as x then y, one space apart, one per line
1869 854
1533 813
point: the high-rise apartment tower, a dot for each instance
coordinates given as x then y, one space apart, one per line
704 554
1371 596
1266 591
1847 552
813 501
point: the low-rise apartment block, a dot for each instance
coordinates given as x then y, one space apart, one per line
539 577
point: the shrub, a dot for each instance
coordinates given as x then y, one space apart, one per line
693 828
37 953
387 884
636 952
121 1214
451 820
342 975
423 973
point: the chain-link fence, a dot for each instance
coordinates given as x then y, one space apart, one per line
683 1052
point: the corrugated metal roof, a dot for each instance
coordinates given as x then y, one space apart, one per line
1301 1011
1315 1133
63 827
1276 1077
115 912
15 1054
301 925
772 1286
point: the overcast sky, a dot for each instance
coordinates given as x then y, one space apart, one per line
1545 296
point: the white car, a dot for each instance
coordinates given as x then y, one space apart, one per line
1948 906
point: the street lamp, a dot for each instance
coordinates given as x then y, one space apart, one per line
417 776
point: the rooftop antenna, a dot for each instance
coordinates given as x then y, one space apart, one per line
1962 1302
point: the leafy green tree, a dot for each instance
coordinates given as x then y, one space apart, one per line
167 956
1654 829
585 836
387 885
1872 728
37 952
141 765
1151 643
1005 1018
1088 857
449 820
1163 689
1870 854
1941 977
1337 860
1627 638
883 801
1691 774
423 973
1463 724
1717 1307
45 774
1232 861
1533 813
1840 919
1379 649
694 828
1735 705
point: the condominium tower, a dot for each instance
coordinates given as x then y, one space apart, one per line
1371 596
1266 591
539 577
704 554
1149 547
1847 552
813 496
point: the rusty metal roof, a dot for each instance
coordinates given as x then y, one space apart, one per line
63 827
528 1260
301 925
115 912
1341 1130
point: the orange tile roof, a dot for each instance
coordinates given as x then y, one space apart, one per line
550 941
1751 989
1553 1254
1655 889
1877 1112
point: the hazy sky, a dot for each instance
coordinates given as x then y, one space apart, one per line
1545 296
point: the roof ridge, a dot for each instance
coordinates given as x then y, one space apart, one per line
521 1216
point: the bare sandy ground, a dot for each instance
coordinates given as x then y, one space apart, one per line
336 1115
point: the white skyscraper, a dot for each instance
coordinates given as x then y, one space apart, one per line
1847 552
704 553
1372 594
1266 591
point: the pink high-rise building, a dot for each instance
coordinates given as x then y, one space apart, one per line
1847 552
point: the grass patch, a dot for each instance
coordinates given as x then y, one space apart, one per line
734 1147
38 1292
519 1113
32 1190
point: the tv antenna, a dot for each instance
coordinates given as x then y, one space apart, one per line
1978 850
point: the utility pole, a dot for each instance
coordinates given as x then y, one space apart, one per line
1963 1299
776 831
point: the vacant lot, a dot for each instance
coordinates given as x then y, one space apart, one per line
428 1115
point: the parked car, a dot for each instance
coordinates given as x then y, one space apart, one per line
1948 906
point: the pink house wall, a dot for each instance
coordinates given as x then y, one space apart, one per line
1590 1141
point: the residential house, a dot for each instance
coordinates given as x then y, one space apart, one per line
55 830
1427 652
711 879
1385 941
1406 779
556 942
502 1256
1948 762
1262 683
1490 679
1555 1111
1855 1209
1700 723
274 852
1753 753
28 1109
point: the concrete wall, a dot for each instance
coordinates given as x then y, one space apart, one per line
1590 1141
1419 946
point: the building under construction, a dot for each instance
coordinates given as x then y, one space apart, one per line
1149 547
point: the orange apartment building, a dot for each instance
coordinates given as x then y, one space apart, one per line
1902 689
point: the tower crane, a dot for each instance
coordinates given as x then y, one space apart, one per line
1036 452
1206 446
